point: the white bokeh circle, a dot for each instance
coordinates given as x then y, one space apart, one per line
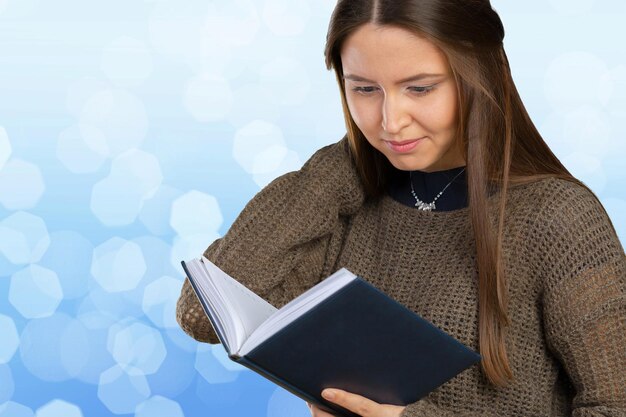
159 301
10 338
127 61
24 238
69 256
572 7
35 291
14 409
137 170
64 354
211 369
81 90
136 346
156 211
616 207
7 387
213 54
159 406
244 110
120 116
21 185
567 76
82 148
286 17
195 213
118 265
122 391
113 203
279 161
236 21
189 247
252 142
58 408
5 147
287 79
586 129
117 199
208 98
589 129
97 323
586 168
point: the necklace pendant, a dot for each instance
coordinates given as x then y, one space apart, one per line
429 206
425 206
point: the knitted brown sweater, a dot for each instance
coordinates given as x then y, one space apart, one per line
565 266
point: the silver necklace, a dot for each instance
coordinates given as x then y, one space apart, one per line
421 205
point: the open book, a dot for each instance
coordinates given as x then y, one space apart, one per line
341 333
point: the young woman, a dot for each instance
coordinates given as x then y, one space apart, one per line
444 195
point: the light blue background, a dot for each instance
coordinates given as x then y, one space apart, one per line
132 133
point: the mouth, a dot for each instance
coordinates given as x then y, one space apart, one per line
403 143
403 146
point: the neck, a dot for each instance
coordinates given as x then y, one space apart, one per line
429 171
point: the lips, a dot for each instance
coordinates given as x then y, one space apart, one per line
406 142
404 146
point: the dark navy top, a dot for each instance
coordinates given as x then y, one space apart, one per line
427 185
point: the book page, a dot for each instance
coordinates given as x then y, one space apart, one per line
297 307
211 301
247 309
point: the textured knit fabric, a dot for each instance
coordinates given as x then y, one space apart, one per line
566 271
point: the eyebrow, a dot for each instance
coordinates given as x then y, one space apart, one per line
417 77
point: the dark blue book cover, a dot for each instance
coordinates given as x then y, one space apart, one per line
363 341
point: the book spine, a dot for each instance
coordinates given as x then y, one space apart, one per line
332 409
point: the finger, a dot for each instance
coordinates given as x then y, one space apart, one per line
353 402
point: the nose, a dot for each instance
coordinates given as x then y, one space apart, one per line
395 117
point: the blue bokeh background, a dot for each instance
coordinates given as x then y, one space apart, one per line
132 133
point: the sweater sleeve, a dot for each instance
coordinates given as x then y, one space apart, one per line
426 408
584 303
287 238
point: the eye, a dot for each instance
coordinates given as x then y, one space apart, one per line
420 91
363 90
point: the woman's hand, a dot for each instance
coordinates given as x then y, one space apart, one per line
357 404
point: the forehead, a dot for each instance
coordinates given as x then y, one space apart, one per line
390 52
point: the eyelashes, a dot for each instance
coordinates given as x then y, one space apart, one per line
419 91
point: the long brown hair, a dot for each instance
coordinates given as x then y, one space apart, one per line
501 144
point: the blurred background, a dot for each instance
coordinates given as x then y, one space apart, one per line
132 133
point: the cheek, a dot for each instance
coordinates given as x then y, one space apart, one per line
363 113
440 115
448 109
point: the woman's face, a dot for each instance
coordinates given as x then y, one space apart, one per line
399 88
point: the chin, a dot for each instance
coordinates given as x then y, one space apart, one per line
407 164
